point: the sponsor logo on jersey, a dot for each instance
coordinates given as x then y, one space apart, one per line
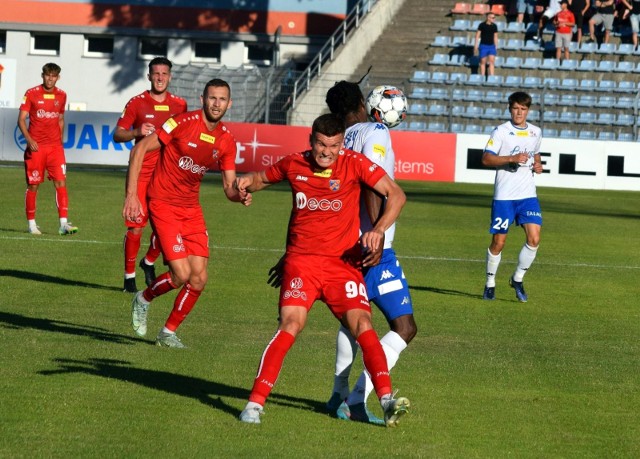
192 145
379 150
149 116
207 138
373 167
48 96
161 108
302 202
294 290
324 174
179 246
522 134
47 115
302 178
531 213
186 163
169 125
490 142
334 185
386 274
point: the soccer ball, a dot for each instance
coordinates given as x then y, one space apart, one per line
387 105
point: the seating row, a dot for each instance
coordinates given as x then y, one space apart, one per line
464 128
548 98
528 82
478 8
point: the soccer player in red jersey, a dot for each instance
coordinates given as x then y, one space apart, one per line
325 252
143 115
191 144
44 106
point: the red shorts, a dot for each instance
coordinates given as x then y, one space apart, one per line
181 231
49 157
307 278
148 166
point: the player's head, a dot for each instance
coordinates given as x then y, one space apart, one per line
159 74
51 69
50 75
344 98
216 99
327 136
564 4
519 103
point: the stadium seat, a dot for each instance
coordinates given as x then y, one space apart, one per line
605 66
480 8
515 27
473 111
568 100
532 46
587 65
457 78
501 25
436 110
458 60
420 76
439 77
492 113
513 81
605 118
587 134
625 119
606 48
475 79
550 132
624 49
512 62
416 109
588 85
473 129
625 86
587 100
551 98
587 48
551 82
514 44
441 41
626 102
475 95
434 126
586 118
419 92
457 110
461 8
624 67
625 137
550 63
488 129
568 65
605 101
458 94
438 94
459 41
439 59
460 25
456 127
568 134
534 115
531 82
493 96
606 135
495 80
550 116
569 84
475 24
606 86
418 126
568 117
499 61
498 9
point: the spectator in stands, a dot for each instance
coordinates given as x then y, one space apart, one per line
525 6
604 16
564 22
549 13
635 22
579 8
486 44
622 11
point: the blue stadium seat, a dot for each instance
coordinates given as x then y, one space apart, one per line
436 110
606 85
441 41
531 46
457 110
416 109
513 81
515 27
439 59
475 24
569 84
420 76
588 85
636 69
550 63
493 96
551 98
488 129
624 67
568 117
457 78
498 61
419 92
605 101
534 115
475 79
458 60
438 94
512 62
587 100
550 116
587 134
626 102
434 126
550 132
587 65
492 113
606 118
531 82
605 66
458 94
439 77
625 119
606 48
606 135
624 49
551 82
475 95
625 137
514 44
460 25
625 86
586 118
495 80
473 111
531 63
473 129
568 134
459 41
568 100
568 65
418 126
457 127
587 48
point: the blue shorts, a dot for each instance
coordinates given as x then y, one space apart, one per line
520 211
387 287
486 50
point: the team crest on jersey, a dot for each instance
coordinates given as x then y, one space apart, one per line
207 138
334 185
215 153
324 174
169 125
161 108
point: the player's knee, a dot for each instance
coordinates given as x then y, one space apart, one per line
405 326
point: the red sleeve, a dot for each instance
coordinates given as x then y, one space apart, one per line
128 116
278 172
228 160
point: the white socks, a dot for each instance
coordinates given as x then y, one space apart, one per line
493 261
525 259
346 348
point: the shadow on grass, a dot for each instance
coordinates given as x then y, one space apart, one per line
207 392
17 321
443 291
28 275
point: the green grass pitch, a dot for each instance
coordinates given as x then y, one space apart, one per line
555 377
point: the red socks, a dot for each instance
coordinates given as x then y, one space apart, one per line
270 366
162 285
62 201
154 249
30 204
131 248
182 306
375 362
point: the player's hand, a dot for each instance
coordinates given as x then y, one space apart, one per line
372 244
33 145
147 129
537 167
246 198
275 273
132 210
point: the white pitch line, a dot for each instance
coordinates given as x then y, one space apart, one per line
73 239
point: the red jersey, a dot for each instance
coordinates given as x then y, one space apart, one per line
188 151
44 110
568 17
325 218
145 109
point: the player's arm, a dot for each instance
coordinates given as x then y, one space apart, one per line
252 182
127 135
490 159
232 193
22 125
537 164
132 206
395 200
61 124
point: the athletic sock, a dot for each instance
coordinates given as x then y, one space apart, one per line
160 286
270 366
346 349
182 306
62 202
30 205
393 345
525 260
153 252
375 362
493 262
131 248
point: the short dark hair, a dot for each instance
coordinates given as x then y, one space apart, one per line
344 98
216 83
520 97
329 124
160 61
51 68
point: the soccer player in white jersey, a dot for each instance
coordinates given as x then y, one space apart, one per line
514 151
386 284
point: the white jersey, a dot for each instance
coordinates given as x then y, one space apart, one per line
374 141
514 181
